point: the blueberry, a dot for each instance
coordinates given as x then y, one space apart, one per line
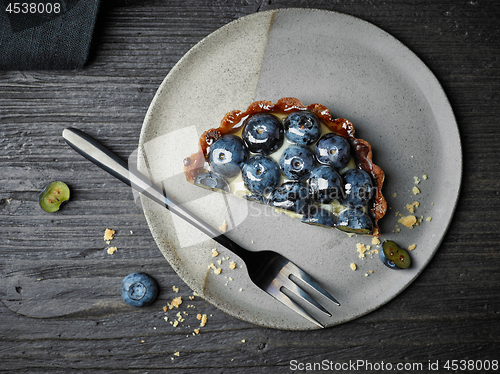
297 162
292 196
358 188
319 217
211 181
325 184
139 289
227 155
302 128
52 196
333 150
263 133
261 174
393 256
354 221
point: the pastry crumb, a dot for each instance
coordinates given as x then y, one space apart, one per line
176 302
111 250
191 297
203 319
428 219
416 180
197 331
416 190
412 247
411 207
214 253
223 227
361 250
177 354
375 241
408 221
394 194
353 266
109 235
175 289
232 265
425 176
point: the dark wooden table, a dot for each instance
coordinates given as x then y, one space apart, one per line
61 310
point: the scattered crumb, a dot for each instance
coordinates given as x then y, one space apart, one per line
165 309
428 219
375 241
111 250
197 331
203 319
416 180
109 235
215 268
191 297
143 341
353 266
243 341
412 247
424 176
175 288
177 354
174 323
371 271
361 250
214 253
176 302
232 265
223 227
408 221
165 318
394 194
416 190
411 207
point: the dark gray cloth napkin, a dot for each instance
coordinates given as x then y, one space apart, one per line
48 37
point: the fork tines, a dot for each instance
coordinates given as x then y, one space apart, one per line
284 282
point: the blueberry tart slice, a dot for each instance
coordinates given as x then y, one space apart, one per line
296 158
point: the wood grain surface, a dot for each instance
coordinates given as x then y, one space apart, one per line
62 311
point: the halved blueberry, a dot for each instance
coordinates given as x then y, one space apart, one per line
227 155
393 256
354 221
139 289
333 150
292 196
302 128
326 184
297 162
320 217
211 181
358 188
263 133
261 174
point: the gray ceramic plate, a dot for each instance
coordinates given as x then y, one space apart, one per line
358 71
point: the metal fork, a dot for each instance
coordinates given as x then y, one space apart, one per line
269 270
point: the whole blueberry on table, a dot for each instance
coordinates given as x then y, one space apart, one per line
260 174
292 196
302 128
227 155
211 181
139 289
319 217
358 188
333 150
326 184
354 221
263 133
297 162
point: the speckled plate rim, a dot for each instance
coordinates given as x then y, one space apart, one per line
439 102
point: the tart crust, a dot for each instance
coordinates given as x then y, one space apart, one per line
232 121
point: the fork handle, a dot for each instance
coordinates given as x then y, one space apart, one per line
95 152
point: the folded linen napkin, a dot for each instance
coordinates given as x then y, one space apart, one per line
46 35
